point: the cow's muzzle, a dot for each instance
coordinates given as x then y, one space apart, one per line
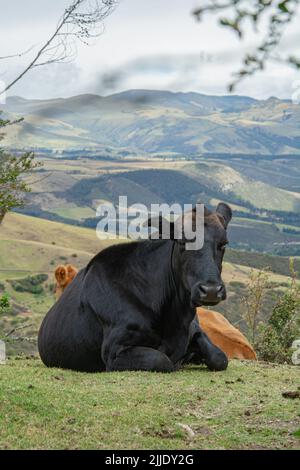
208 294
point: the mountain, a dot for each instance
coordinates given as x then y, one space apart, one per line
142 122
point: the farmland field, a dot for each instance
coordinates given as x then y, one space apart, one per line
241 408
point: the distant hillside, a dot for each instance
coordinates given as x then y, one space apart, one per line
156 122
186 186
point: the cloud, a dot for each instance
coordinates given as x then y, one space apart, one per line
145 45
174 71
50 81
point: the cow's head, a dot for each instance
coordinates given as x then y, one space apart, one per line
61 275
200 270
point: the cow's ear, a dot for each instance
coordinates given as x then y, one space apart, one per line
225 211
164 228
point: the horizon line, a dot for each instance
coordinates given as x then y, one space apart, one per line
147 90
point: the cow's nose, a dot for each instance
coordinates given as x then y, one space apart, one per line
212 293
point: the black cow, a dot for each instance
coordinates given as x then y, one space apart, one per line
133 306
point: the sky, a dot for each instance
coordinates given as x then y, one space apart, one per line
149 44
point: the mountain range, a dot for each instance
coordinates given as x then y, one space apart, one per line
142 122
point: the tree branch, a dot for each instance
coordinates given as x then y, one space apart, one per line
81 21
17 328
278 13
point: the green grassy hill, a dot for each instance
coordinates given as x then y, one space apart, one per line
241 408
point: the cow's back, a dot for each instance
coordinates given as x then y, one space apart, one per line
70 336
224 335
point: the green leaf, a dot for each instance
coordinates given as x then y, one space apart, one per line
283 7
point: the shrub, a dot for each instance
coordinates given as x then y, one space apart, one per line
276 337
30 284
256 290
4 303
283 327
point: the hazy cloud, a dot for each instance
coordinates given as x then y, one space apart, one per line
153 44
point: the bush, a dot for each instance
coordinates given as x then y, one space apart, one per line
275 337
4 303
30 284
253 300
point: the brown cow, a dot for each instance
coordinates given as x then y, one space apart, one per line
64 275
224 335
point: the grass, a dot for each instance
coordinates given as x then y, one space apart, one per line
75 213
33 229
260 194
265 196
241 408
276 264
38 245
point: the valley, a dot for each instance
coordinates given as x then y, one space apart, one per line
266 213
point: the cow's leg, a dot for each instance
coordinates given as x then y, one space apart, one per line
139 358
202 350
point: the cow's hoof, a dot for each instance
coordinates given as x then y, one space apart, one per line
218 362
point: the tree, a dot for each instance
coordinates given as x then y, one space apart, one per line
12 170
82 20
277 13
257 288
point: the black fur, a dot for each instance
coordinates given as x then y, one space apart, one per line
133 308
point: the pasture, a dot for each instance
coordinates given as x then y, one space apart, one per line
241 408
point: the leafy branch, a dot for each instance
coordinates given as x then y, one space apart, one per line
12 170
278 13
